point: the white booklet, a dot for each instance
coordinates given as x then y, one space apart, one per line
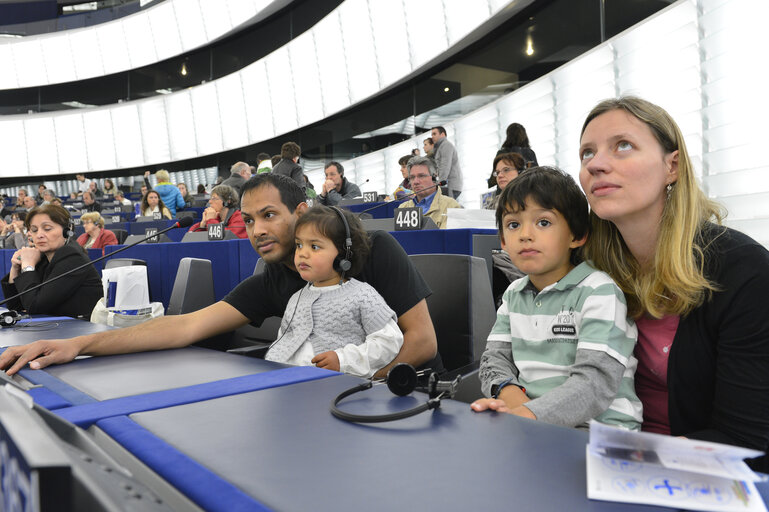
641 467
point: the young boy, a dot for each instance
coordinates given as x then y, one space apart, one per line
561 350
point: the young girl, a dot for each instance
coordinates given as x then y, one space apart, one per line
151 203
334 322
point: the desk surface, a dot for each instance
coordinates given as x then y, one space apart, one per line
300 457
282 447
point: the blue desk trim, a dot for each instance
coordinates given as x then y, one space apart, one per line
56 386
203 487
87 414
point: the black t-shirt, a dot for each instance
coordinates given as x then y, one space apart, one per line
388 269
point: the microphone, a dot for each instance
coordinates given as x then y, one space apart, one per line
404 198
184 222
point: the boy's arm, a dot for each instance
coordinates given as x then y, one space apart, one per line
605 346
590 389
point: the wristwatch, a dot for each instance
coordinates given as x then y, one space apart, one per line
496 389
28 268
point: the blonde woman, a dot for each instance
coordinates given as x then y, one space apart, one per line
696 289
95 236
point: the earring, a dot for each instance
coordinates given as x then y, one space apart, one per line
668 189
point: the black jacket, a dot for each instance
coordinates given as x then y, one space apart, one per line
718 369
74 295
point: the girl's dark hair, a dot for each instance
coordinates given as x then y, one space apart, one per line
553 189
516 136
146 204
328 224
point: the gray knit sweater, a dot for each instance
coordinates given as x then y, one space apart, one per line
330 320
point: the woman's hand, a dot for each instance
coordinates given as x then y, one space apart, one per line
29 256
208 214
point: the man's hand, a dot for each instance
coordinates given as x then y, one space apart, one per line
328 185
38 354
328 360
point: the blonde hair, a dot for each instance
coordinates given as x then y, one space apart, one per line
94 217
162 176
675 283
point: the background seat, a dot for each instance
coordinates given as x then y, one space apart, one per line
120 234
135 238
461 306
193 288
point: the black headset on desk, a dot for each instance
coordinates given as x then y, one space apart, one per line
401 380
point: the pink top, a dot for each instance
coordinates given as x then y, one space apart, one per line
655 337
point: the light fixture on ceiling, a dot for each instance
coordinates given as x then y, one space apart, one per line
529 46
445 89
184 69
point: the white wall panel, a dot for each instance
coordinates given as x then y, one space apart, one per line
71 142
160 32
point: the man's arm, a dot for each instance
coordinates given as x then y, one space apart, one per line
166 332
419 341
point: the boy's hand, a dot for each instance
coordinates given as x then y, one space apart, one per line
328 360
495 404
490 404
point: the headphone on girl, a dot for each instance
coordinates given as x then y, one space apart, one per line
343 264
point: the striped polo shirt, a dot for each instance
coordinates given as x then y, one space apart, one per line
584 310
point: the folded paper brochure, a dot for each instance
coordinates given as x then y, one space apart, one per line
641 467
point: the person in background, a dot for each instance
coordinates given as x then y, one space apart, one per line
13 235
48 196
95 236
29 202
416 152
696 289
240 172
93 188
506 167
264 163
83 185
119 196
336 187
223 207
404 188
289 163
429 147
185 194
152 204
74 295
274 160
518 142
201 189
144 190
167 191
19 204
109 187
447 162
89 204
40 189
56 201
423 177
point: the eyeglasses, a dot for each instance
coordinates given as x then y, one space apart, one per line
419 177
504 170
214 198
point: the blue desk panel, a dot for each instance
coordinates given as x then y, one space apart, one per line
299 457
445 241
163 261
